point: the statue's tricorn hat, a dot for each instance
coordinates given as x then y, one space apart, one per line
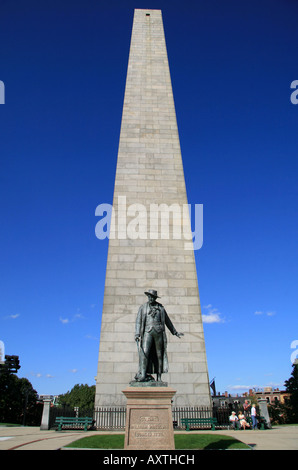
152 292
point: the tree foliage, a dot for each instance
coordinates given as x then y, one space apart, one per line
18 398
80 395
280 413
292 387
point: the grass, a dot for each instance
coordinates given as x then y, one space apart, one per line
105 441
9 424
182 441
285 424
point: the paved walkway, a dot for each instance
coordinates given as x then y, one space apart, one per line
31 438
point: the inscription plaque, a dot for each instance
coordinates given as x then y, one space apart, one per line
149 423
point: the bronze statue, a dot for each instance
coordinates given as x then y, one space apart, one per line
151 338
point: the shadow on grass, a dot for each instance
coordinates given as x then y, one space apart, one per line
207 442
225 444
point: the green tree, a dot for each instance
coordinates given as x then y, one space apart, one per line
279 413
18 399
80 395
253 399
292 387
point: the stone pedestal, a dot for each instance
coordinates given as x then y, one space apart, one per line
262 402
149 423
44 426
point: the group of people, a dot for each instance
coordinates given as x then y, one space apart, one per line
241 418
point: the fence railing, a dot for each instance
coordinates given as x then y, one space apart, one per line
110 418
113 418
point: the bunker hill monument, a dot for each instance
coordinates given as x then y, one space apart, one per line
151 251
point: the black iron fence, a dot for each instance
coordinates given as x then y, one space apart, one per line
110 418
113 418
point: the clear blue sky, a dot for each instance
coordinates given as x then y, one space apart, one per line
64 66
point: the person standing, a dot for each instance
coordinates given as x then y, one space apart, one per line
246 407
253 414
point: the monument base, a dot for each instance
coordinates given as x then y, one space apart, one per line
149 422
135 383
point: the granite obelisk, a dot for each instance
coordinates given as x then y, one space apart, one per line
142 255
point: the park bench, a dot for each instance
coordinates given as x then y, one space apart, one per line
199 422
261 422
73 422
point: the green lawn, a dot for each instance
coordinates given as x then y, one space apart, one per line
289 424
104 441
182 441
9 424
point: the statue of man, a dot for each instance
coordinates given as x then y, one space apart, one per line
151 338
